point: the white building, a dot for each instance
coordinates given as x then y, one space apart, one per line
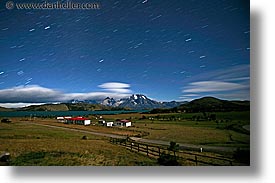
123 123
79 121
109 123
63 119
105 123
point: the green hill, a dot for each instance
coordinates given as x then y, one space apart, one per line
45 107
209 104
3 109
86 107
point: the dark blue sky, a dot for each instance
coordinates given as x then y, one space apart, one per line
168 50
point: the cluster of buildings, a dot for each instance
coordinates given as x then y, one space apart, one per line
74 120
122 123
85 121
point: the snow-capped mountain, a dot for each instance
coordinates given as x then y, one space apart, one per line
139 101
135 101
109 102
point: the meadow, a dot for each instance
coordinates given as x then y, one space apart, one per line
31 145
193 128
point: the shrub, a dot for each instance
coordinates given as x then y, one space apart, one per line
168 160
6 120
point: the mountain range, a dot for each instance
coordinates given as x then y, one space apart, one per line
135 101
141 102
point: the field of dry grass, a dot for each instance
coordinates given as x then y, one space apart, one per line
37 145
184 130
181 131
191 135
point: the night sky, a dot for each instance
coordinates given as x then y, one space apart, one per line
166 49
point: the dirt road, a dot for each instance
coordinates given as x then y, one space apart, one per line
192 147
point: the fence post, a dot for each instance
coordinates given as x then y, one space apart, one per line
147 150
138 147
196 159
131 146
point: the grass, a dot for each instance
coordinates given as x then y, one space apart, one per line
36 145
226 130
93 128
191 135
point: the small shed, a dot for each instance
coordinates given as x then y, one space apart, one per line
63 119
109 123
105 123
101 122
123 123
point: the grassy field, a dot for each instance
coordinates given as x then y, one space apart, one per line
225 130
37 145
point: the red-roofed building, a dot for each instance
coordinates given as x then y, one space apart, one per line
79 121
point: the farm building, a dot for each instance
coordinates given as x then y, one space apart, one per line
101 122
63 119
123 122
109 123
105 123
79 121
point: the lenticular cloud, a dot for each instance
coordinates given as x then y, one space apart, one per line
38 94
116 87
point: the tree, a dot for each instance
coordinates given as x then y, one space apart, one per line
173 147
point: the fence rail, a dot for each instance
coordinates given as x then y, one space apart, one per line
156 151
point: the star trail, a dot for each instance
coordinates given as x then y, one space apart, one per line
167 50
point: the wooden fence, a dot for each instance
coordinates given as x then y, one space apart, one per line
190 158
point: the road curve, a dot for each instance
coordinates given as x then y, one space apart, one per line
192 147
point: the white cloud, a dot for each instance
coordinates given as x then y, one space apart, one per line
234 72
17 105
238 79
29 94
34 94
116 87
229 83
212 86
190 95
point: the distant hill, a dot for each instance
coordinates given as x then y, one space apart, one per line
209 104
65 107
45 107
86 107
3 109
